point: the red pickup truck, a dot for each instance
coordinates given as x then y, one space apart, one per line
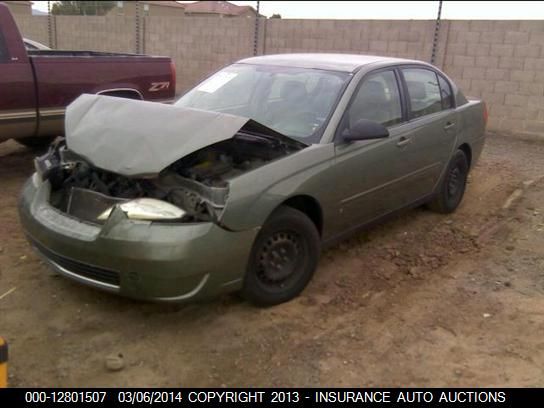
36 86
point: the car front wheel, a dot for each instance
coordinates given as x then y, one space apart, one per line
452 186
283 258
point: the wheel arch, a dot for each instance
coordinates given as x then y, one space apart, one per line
466 149
128 93
309 206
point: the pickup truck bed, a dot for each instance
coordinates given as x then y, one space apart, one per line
36 86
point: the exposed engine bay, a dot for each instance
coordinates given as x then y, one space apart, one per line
196 183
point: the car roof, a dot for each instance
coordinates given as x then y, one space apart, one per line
331 62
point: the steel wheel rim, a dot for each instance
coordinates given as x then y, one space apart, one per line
455 181
279 258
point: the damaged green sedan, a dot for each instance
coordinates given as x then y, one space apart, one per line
239 185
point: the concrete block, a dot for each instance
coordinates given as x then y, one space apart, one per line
492 37
325 24
539 76
455 72
533 113
531 88
412 49
506 87
469 37
536 38
536 101
532 26
516 37
397 46
464 84
463 61
448 61
535 126
506 25
481 25
528 50
480 85
493 122
493 98
511 125
378 45
536 64
478 49
474 73
412 36
522 75
501 111
341 44
516 100
516 112
461 25
502 50
487 61
472 93
456 49
510 63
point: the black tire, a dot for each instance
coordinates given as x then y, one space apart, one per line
36 142
283 258
453 184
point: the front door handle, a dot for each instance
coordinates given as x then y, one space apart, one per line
449 125
404 141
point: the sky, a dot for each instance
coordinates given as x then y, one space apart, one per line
455 10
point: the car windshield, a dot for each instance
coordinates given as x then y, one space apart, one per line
296 102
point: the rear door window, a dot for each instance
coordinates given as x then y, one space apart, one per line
445 90
423 91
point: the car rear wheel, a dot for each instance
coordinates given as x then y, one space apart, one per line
452 187
283 259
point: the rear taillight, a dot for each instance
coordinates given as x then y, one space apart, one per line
173 75
486 115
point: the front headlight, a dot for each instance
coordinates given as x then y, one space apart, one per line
149 209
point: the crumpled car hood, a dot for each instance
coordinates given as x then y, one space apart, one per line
139 139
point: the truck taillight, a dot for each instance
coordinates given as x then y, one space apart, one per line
173 74
486 115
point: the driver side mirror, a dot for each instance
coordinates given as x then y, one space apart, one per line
365 129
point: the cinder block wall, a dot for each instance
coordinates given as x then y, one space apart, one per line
404 39
108 34
499 61
33 27
198 45
503 63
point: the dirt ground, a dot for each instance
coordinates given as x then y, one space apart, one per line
422 300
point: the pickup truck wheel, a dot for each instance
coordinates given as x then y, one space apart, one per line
452 186
283 259
36 142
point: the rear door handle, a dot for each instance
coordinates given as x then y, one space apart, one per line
449 125
404 141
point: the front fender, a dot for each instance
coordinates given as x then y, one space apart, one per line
254 195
